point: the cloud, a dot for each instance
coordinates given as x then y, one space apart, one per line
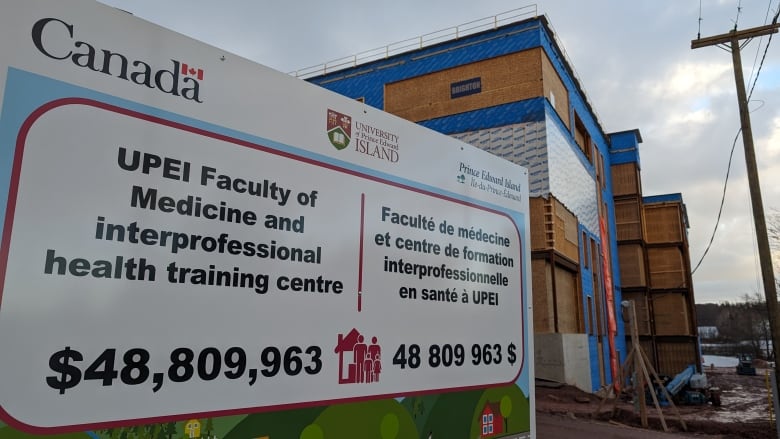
690 80
770 144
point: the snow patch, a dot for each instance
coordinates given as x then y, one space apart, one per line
719 361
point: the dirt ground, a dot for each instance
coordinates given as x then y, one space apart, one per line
744 410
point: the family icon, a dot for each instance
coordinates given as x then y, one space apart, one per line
364 364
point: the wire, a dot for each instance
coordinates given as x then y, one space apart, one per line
760 39
733 146
722 202
698 35
766 49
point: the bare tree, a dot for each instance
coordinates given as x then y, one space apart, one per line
746 325
773 232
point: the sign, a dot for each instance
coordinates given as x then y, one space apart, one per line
465 88
167 254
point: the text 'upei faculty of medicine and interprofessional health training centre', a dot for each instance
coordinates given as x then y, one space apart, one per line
504 84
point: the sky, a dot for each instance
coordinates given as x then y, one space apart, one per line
633 59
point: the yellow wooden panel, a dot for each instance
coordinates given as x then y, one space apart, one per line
504 79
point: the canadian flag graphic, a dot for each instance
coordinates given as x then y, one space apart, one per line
186 70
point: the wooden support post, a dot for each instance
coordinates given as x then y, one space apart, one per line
639 364
639 384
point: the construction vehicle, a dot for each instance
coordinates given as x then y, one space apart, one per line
690 388
745 365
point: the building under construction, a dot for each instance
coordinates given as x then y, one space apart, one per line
654 262
505 85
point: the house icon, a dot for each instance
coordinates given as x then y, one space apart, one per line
492 421
360 358
346 344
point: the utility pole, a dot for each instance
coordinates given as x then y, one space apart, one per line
765 257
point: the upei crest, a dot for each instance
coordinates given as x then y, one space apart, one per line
339 129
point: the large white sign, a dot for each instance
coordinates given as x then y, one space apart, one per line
155 265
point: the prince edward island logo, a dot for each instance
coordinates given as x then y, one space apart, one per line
339 129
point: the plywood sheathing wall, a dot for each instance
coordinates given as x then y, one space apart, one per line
626 180
674 357
504 79
628 219
663 223
671 314
553 298
632 265
554 227
667 268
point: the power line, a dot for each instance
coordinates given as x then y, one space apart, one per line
722 202
774 20
733 146
760 39
766 49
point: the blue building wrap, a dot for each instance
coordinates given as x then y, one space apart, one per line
624 147
558 170
367 80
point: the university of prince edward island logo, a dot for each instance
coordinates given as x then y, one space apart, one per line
339 129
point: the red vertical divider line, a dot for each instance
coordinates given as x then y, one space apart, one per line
360 259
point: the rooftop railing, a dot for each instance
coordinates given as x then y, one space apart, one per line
419 42
431 38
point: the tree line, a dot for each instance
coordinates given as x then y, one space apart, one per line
743 325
